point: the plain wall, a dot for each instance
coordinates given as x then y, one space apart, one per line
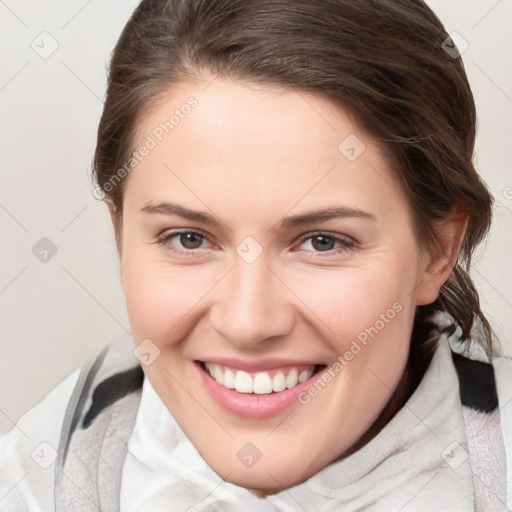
56 314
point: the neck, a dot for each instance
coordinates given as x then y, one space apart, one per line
420 356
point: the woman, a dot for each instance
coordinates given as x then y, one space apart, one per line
295 207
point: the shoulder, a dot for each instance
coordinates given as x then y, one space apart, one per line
28 451
32 452
96 429
503 371
485 386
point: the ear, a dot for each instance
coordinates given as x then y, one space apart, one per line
441 259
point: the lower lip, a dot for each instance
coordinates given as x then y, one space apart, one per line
251 405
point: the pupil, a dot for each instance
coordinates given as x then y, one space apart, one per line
187 240
325 244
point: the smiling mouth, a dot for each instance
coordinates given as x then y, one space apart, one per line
262 382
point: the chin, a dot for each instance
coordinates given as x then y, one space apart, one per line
266 476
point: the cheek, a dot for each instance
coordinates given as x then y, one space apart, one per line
347 302
160 297
165 300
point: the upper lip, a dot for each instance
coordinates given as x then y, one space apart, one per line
259 365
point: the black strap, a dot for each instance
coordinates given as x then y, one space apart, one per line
112 389
477 384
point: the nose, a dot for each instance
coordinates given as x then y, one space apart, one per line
252 305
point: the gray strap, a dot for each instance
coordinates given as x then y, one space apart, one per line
94 437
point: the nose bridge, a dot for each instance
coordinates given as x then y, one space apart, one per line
252 305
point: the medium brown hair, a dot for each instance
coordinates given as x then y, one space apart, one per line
382 60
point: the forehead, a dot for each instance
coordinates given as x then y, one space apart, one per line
257 145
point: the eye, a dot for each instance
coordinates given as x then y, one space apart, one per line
189 242
182 241
326 243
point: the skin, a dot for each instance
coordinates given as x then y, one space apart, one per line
251 155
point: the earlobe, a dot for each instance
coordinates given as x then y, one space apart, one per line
440 261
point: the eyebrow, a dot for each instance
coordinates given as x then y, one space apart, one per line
334 212
302 219
176 209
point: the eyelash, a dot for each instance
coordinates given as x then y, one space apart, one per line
346 245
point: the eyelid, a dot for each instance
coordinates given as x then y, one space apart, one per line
344 238
347 243
168 233
164 237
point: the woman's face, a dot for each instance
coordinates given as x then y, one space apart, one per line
264 235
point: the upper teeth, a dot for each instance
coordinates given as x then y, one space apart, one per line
261 383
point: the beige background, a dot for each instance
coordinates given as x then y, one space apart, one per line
54 315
